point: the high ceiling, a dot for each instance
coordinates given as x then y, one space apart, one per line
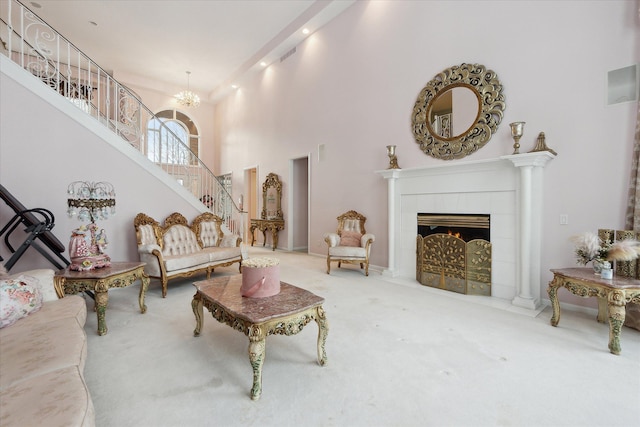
218 41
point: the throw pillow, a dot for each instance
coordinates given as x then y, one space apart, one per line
43 279
19 297
350 238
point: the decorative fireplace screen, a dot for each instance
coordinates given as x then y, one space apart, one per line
454 252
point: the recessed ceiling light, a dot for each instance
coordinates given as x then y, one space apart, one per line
263 64
36 5
305 31
95 24
234 86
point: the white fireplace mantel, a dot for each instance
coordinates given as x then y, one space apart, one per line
509 189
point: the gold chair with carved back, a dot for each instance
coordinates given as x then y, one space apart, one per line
351 243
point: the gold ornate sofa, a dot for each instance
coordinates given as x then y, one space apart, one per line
177 249
350 243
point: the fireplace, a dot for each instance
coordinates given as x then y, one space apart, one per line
453 252
508 188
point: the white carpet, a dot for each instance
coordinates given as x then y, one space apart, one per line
399 354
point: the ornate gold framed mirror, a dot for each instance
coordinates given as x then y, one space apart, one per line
271 197
458 111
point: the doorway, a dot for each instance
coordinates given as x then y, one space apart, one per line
250 201
298 236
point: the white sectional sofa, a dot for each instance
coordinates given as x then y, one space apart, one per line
43 349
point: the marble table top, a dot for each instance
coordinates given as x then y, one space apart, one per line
100 273
587 274
225 291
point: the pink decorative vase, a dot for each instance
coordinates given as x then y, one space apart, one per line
260 282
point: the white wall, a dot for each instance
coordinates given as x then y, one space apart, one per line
352 85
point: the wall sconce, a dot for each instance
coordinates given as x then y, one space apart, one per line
89 201
517 129
393 160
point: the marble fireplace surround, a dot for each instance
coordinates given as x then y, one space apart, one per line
508 188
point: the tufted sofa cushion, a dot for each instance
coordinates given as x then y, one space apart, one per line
209 234
180 240
146 235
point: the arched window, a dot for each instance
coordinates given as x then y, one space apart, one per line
168 137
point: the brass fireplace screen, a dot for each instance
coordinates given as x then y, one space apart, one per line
448 259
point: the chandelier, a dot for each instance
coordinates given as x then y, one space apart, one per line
186 97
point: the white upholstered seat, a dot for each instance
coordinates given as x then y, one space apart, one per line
350 243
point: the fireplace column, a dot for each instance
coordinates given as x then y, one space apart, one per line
530 226
393 206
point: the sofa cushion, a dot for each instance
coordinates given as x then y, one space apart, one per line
147 235
19 297
222 253
350 238
347 252
209 233
180 240
33 350
57 398
178 262
44 280
71 306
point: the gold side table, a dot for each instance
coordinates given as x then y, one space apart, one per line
613 296
99 281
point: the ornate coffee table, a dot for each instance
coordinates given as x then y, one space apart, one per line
613 296
99 281
285 314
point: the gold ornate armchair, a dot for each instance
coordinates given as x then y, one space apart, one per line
350 243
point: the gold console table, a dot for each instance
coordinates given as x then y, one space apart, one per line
264 225
613 296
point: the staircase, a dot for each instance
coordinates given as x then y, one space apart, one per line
41 51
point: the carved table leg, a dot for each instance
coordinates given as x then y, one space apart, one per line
274 238
264 237
196 306
602 310
552 290
252 230
257 344
323 330
144 284
617 313
102 299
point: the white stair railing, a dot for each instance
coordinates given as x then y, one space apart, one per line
30 42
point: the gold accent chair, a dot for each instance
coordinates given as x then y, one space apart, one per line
350 243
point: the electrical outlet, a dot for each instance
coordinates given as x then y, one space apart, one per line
564 219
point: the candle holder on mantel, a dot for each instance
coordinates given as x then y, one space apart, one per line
393 160
89 201
541 145
517 129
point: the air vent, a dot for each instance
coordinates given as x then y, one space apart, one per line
288 54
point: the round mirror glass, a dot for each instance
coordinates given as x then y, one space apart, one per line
453 112
458 111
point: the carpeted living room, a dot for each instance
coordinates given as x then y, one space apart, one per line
398 354
152 150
